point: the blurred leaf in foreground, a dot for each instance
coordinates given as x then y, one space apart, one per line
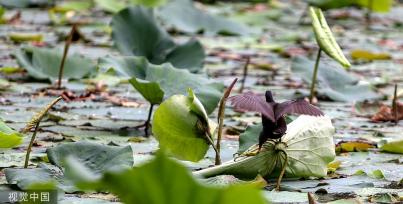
164 181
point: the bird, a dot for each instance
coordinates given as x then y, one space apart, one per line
272 113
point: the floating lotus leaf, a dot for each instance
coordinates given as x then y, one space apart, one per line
44 63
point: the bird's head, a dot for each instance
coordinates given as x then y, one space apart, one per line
269 97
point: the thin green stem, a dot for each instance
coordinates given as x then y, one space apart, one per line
245 74
31 143
147 124
315 74
210 141
221 114
66 50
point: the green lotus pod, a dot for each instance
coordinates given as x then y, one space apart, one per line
324 37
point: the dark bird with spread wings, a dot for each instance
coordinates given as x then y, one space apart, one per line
274 125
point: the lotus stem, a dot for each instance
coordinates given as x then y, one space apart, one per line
34 122
147 124
30 145
315 73
221 114
66 50
245 74
210 141
394 105
280 177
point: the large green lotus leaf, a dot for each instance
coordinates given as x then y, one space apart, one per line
249 137
151 91
160 180
136 32
189 55
9 138
324 37
178 81
98 158
184 16
175 127
310 148
44 63
127 66
333 81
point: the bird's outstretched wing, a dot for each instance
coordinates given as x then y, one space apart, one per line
253 102
296 107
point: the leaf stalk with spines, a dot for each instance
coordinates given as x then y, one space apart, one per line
65 52
221 114
34 122
245 74
394 105
314 76
147 123
31 143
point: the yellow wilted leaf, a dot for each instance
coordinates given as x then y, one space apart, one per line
334 164
354 146
368 55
